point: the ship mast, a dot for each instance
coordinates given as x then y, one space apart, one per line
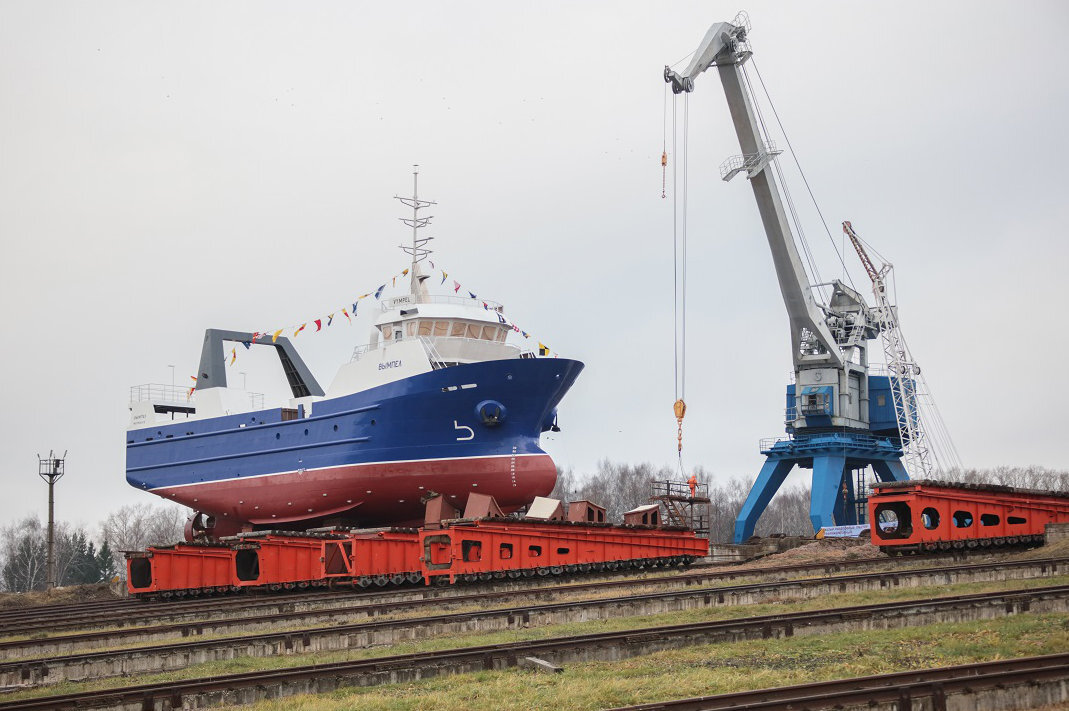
418 249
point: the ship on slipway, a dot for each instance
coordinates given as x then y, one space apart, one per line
439 402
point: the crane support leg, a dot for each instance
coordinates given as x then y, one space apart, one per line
826 498
890 470
768 483
832 456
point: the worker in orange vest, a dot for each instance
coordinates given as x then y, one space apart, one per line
693 484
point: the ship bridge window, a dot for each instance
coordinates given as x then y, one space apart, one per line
441 328
425 328
411 328
473 330
457 330
489 332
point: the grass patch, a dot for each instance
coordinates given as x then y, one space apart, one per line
708 669
245 664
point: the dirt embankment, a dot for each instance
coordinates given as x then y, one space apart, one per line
70 594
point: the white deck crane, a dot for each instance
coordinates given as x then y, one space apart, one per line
829 424
908 388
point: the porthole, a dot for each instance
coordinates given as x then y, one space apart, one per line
335 428
278 435
305 431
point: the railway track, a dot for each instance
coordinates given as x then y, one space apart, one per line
120 614
64 658
250 687
1029 681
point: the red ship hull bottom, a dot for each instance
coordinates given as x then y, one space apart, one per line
378 493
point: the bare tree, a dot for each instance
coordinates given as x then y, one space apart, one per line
25 552
135 526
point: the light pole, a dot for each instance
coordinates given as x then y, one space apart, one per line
51 470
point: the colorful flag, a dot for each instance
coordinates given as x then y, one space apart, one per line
346 314
394 282
233 355
543 349
404 273
444 275
247 344
515 328
330 319
190 393
501 319
256 336
378 292
319 324
472 295
274 336
456 286
299 329
525 334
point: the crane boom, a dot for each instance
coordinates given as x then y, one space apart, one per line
903 371
724 47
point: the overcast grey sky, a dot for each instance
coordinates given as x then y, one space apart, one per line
168 167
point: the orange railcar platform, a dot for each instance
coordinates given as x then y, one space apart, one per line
464 550
937 515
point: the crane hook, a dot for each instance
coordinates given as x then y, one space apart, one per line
664 174
680 409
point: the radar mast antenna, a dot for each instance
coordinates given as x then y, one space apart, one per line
418 249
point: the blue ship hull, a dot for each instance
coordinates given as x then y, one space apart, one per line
366 458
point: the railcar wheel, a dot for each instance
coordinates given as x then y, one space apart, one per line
486 577
499 575
397 578
363 581
513 574
556 570
414 577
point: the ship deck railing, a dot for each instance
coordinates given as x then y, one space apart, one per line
178 395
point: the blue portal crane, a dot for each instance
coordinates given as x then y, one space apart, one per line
839 417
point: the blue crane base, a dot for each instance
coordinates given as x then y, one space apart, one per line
831 456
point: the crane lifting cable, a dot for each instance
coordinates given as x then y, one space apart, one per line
679 255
